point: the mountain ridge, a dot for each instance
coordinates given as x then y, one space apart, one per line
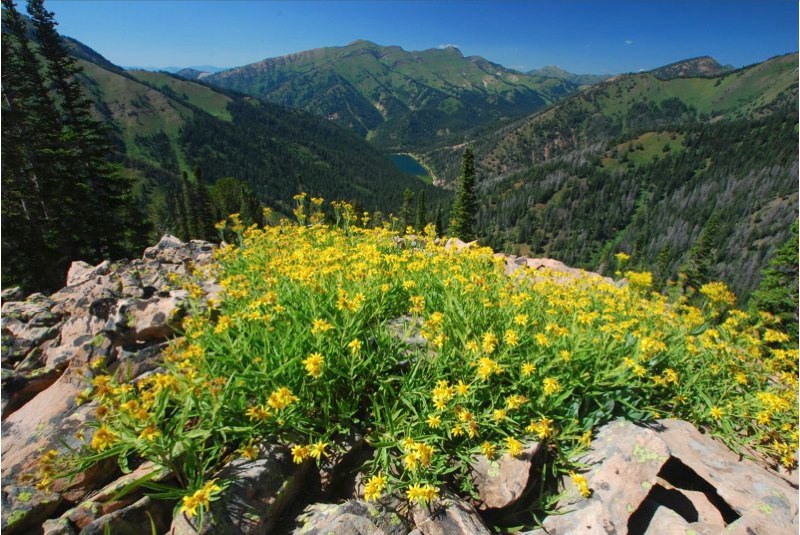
394 97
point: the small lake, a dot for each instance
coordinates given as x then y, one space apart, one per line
408 165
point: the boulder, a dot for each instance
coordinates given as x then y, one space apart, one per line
138 518
25 507
458 245
171 250
80 272
255 497
448 516
501 483
642 478
20 387
144 319
353 517
12 294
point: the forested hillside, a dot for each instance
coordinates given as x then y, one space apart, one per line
644 166
392 97
173 139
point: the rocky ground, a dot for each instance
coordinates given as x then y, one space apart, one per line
668 478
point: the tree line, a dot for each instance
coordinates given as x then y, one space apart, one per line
63 199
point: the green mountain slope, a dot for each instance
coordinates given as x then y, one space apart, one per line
623 106
392 97
165 125
642 165
693 67
553 71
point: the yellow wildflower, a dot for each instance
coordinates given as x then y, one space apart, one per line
527 369
103 438
374 487
354 346
513 446
581 483
314 364
281 398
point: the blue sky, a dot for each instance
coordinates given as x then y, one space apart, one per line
590 36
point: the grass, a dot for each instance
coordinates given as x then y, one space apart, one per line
298 351
203 97
643 149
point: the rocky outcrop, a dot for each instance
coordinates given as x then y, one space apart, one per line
672 478
353 517
661 479
259 491
108 315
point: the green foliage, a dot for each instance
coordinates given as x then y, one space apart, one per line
405 210
62 197
465 206
308 345
696 271
778 291
392 97
421 218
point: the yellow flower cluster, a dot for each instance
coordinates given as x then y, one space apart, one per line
299 342
200 499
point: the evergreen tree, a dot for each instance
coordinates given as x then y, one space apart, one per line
97 192
438 221
697 268
186 216
465 206
778 291
29 145
422 215
405 210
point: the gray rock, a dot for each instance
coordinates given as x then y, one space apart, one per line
407 331
58 526
353 517
26 507
80 272
448 516
12 294
258 492
137 518
144 319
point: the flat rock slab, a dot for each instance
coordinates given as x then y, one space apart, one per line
353 517
449 515
670 478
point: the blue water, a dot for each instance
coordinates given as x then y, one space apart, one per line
408 165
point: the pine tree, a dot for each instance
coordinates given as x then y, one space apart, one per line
700 259
439 220
186 216
778 291
465 206
35 239
96 202
405 210
422 215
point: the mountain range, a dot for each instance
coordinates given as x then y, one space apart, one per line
392 97
640 163
574 167
553 71
164 125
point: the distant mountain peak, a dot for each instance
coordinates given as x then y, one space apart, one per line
701 66
554 71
